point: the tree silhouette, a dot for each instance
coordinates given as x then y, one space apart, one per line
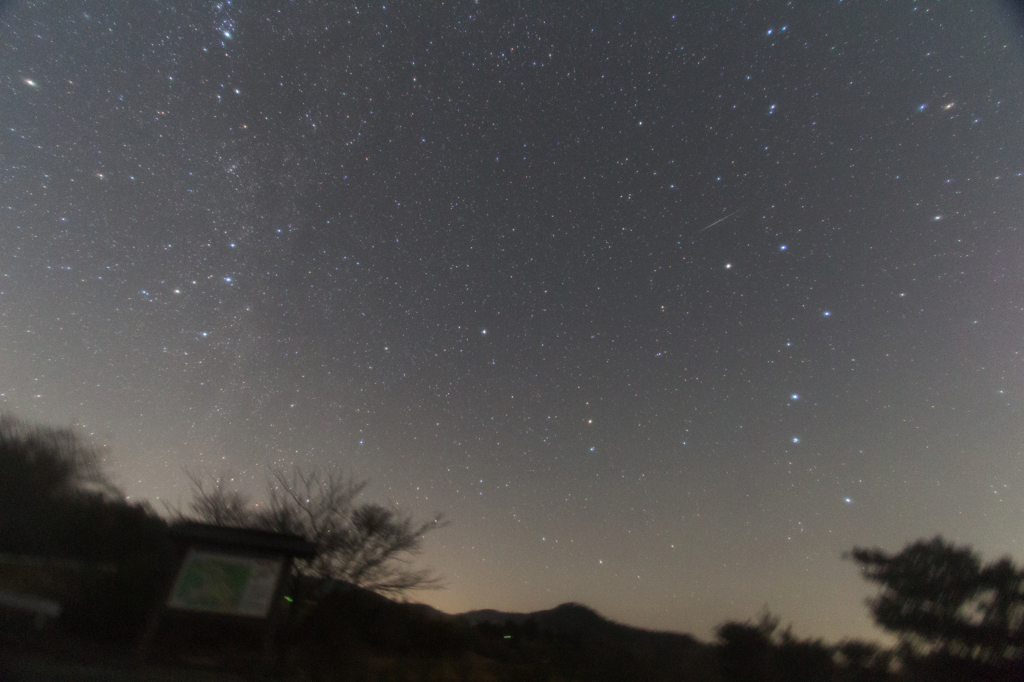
49 478
865 661
368 545
100 556
804 660
746 652
44 461
941 601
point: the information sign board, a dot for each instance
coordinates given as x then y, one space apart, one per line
221 582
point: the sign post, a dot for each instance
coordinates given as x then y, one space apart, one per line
236 574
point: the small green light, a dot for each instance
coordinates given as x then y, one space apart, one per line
289 599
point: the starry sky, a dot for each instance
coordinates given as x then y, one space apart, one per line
665 305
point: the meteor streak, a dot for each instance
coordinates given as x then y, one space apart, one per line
718 221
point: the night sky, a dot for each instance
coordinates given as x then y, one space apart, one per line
664 305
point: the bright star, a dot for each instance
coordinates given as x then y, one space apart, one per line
795 439
795 397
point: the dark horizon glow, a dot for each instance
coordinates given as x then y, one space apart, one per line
463 251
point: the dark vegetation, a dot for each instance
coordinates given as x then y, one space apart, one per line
67 535
364 544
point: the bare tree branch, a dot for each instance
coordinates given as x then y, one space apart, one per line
368 544
218 504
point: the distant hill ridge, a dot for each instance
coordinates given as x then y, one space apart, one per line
575 620
564 617
570 618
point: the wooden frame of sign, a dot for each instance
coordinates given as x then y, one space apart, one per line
235 575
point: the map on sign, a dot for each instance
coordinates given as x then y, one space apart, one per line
220 582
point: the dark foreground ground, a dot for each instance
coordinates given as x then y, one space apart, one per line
33 669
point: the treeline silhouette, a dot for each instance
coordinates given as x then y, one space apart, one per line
69 536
